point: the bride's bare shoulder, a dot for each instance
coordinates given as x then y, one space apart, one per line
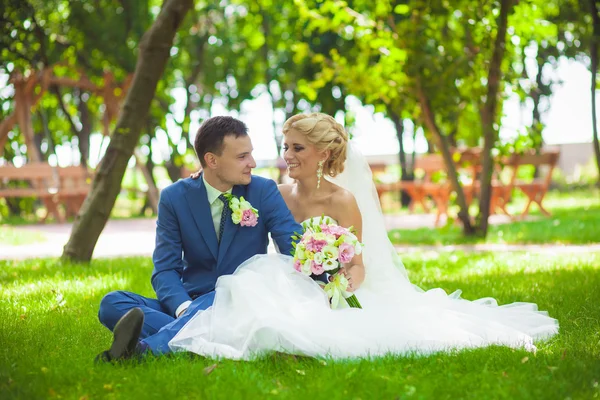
345 208
285 189
343 197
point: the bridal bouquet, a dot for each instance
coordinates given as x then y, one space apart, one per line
322 249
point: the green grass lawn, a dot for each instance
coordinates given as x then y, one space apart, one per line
49 335
575 220
15 237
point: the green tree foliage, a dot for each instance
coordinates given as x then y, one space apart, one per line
430 62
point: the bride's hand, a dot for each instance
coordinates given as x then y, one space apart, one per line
354 275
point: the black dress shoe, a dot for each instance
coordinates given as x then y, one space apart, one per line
125 337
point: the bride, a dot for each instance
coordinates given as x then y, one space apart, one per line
267 306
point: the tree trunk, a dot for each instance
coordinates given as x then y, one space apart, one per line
430 145
594 57
145 169
536 96
452 137
47 133
84 133
150 174
488 117
173 166
413 156
173 170
405 173
444 147
266 31
154 52
192 79
38 138
291 107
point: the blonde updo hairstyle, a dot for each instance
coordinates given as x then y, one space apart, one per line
325 133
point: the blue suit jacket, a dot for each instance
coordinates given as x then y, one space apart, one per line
188 258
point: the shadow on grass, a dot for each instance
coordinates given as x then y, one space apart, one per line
24 271
48 351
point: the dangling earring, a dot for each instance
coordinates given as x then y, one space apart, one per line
319 173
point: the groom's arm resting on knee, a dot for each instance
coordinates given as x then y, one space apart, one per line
167 258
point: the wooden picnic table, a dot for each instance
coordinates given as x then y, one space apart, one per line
468 163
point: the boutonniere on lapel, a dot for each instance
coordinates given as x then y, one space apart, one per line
242 212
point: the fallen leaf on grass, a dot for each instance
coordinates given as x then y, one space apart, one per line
209 369
59 300
524 360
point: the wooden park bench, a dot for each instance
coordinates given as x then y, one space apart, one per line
53 186
469 164
510 166
424 186
35 180
536 189
74 185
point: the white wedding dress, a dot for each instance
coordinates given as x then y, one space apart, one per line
267 306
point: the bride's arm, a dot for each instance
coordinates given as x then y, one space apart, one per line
350 216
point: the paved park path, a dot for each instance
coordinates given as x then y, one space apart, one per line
135 237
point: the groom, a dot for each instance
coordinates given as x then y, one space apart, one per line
197 241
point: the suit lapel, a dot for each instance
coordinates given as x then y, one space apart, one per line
230 228
198 202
